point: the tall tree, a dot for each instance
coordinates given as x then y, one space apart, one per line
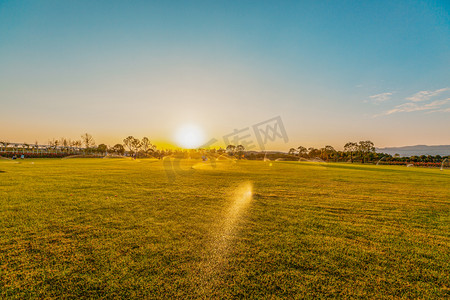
128 142
365 147
302 151
53 143
351 148
240 151
78 144
64 143
102 148
136 145
88 141
147 145
119 149
231 149
329 151
4 144
292 151
313 152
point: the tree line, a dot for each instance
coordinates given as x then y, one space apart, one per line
361 152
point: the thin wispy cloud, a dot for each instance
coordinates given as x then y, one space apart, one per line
421 101
444 110
426 95
411 106
380 97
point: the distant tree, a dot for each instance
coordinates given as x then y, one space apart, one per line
240 148
292 151
365 147
5 145
78 144
147 146
153 148
102 148
53 143
302 151
88 141
313 152
69 145
36 146
136 145
323 153
133 144
119 149
240 151
231 149
64 143
351 148
128 142
329 152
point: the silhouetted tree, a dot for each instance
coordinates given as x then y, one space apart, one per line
329 151
302 151
313 152
231 149
147 146
88 141
351 148
102 148
5 145
128 142
240 151
136 145
292 151
365 147
119 149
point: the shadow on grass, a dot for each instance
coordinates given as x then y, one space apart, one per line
374 168
364 168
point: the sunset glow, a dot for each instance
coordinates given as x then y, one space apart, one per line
189 136
334 72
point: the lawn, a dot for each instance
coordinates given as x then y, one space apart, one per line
119 228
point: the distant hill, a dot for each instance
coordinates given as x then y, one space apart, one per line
417 150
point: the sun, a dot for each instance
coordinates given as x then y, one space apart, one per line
189 136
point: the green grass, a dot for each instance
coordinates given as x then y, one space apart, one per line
117 228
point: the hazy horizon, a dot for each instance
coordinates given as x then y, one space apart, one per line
334 72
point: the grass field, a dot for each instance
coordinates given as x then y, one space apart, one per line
85 228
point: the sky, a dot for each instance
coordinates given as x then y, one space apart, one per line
333 71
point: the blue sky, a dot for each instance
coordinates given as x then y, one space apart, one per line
335 71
